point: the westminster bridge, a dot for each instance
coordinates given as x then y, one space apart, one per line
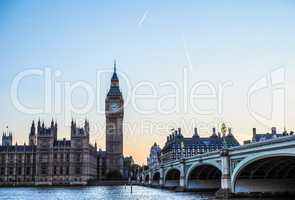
259 168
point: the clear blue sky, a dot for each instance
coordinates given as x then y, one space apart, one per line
218 40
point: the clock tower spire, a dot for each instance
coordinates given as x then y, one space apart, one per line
115 67
114 112
115 80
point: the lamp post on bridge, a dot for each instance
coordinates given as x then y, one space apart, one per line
225 191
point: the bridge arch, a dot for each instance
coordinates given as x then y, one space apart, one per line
146 178
140 179
268 172
156 178
172 177
203 176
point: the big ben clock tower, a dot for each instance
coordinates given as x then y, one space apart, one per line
114 111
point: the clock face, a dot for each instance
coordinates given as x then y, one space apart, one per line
114 107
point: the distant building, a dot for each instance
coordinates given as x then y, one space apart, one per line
177 146
101 165
268 136
128 165
47 160
154 157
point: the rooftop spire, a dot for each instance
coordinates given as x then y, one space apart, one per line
115 80
115 66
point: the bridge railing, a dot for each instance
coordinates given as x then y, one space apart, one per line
265 143
184 159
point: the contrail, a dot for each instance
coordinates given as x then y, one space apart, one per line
143 18
187 54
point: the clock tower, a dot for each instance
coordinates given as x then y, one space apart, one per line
114 111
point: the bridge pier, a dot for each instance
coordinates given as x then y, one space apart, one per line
150 178
182 177
142 179
161 181
225 192
181 183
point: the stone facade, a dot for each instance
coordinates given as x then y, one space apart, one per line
47 160
177 146
153 160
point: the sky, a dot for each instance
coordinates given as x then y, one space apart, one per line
181 64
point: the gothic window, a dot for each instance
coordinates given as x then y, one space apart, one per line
11 157
61 170
68 157
77 157
19 171
28 158
3 159
10 171
78 170
19 158
54 170
111 128
67 171
44 169
2 171
28 171
44 157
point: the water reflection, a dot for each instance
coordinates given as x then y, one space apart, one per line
98 193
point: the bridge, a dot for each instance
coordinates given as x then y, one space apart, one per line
259 168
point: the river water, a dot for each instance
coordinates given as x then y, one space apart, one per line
98 193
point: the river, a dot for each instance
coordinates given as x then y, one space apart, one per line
97 193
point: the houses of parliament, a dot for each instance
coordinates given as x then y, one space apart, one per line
46 160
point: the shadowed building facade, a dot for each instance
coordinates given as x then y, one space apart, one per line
47 160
